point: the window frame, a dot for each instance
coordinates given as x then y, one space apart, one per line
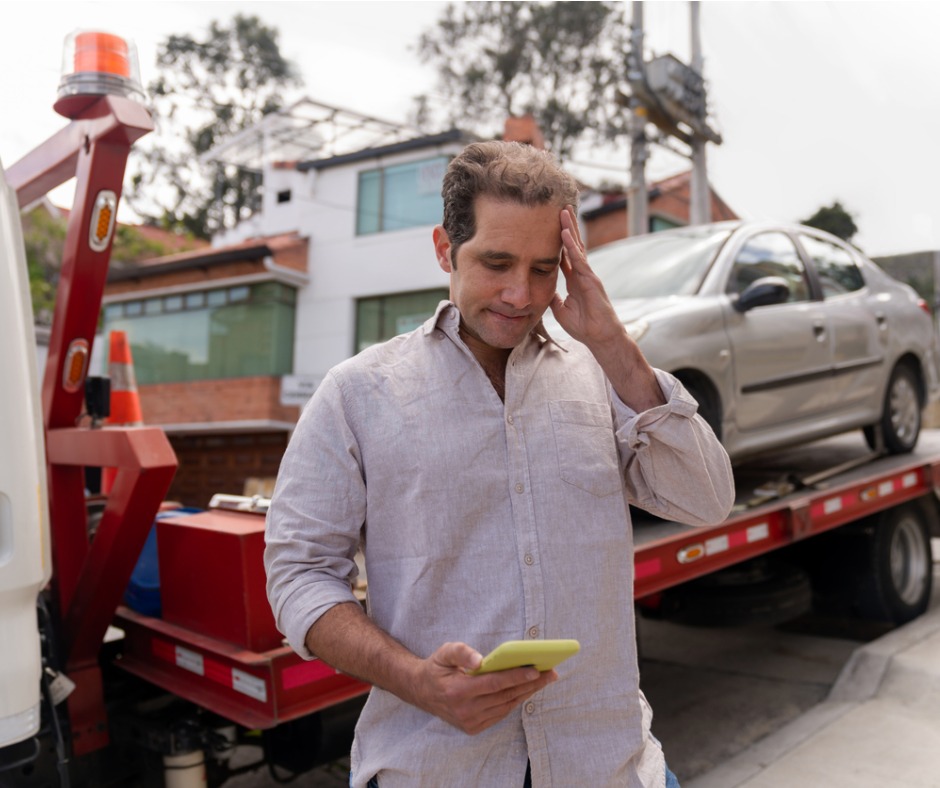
381 219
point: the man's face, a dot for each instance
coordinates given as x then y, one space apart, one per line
504 277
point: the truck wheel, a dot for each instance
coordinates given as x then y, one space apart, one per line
901 416
755 592
897 582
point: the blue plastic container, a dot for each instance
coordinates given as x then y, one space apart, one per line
143 590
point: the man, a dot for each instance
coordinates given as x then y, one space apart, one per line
486 472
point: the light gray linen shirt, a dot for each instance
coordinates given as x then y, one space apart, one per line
483 521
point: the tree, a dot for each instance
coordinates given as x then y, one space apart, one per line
44 239
833 219
561 61
207 90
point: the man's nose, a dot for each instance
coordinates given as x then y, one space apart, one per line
516 293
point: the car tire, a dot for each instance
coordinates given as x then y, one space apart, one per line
708 404
900 421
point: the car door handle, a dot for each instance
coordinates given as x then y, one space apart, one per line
881 319
819 329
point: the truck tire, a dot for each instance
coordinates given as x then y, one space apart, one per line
901 414
759 591
896 581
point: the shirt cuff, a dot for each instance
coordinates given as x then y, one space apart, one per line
302 610
678 403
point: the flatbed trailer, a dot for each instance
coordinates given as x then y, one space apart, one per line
795 502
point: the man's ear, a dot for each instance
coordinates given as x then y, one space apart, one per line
442 248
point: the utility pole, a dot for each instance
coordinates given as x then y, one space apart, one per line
670 95
637 197
700 207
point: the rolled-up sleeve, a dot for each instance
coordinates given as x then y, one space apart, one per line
673 464
315 519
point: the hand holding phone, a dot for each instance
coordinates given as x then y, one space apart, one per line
541 654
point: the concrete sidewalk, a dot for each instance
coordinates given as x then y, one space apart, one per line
879 726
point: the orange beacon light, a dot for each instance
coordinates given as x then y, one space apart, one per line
94 64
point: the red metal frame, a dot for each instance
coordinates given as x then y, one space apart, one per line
89 576
257 690
695 552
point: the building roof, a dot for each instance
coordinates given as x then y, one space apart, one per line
416 143
304 130
617 201
253 249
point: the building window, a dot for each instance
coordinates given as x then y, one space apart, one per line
400 196
660 223
383 317
230 332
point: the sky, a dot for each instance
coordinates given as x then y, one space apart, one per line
816 101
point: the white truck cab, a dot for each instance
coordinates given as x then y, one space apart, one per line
25 562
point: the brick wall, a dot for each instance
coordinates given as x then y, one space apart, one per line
211 401
669 199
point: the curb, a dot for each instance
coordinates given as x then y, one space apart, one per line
859 681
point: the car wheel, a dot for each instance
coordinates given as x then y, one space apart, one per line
901 416
708 405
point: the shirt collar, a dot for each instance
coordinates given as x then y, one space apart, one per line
447 318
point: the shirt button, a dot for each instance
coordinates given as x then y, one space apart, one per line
529 559
509 419
533 632
520 487
530 707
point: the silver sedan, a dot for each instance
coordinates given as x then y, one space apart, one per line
783 334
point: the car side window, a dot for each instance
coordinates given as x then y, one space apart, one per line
837 271
769 254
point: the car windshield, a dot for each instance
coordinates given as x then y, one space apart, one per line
659 264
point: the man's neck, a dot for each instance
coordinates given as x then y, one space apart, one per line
493 360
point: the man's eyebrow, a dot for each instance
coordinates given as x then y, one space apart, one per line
499 256
495 254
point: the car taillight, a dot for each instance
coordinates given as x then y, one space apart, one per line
925 306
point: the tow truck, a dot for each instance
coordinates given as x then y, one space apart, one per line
95 692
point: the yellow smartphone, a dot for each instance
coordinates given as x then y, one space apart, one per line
541 654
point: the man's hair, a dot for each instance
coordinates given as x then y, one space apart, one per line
509 171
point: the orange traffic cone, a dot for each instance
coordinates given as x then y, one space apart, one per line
125 402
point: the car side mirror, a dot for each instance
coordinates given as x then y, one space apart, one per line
765 291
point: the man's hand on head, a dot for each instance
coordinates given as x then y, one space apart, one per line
586 313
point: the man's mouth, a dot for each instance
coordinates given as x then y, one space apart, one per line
511 318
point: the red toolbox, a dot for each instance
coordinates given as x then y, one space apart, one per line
212 577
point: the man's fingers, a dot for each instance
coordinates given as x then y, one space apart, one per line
514 686
458 655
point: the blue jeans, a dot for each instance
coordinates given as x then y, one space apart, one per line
671 781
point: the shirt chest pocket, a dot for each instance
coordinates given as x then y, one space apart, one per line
585 446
